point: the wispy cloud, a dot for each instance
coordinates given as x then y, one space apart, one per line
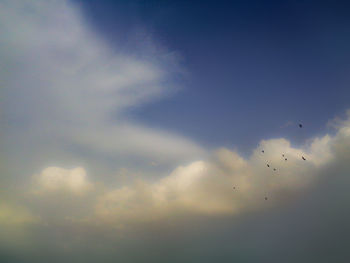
66 88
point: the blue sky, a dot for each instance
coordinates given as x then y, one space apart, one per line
252 66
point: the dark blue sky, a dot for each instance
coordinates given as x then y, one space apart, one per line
252 65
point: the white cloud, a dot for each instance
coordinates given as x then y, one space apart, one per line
65 87
226 184
53 179
200 189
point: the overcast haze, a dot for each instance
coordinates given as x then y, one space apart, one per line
156 131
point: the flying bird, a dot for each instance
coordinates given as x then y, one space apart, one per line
262 151
265 197
234 187
285 159
268 165
282 155
300 125
274 169
303 158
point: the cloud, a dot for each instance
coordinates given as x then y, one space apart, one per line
224 185
201 195
227 184
14 215
15 223
66 91
53 179
63 101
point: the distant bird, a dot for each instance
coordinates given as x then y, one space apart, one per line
300 125
274 169
262 151
285 159
265 197
268 165
282 155
234 187
303 158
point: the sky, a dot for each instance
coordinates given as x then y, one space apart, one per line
133 131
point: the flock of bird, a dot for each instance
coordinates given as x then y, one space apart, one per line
285 159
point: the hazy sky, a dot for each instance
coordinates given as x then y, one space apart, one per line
132 131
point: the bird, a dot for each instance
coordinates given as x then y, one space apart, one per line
274 169
234 187
300 125
303 158
285 159
282 155
268 165
265 197
262 151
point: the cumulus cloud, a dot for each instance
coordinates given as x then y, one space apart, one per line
225 186
53 179
228 184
